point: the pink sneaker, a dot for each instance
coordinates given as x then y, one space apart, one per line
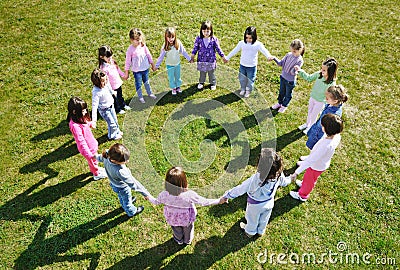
173 92
276 106
282 109
179 90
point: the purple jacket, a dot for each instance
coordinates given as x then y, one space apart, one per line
206 59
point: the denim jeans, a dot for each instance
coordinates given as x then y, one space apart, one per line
174 76
285 91
142 77
110 117
247 77
125 199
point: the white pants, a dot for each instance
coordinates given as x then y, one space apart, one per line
314 108
257 216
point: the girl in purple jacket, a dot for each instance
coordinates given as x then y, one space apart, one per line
206 44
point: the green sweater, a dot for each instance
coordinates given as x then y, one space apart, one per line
319 87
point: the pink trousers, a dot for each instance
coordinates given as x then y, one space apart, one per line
309 180
93 166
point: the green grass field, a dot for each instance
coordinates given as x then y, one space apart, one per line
54 216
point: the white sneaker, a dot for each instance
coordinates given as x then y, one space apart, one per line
242 93
303 126
142 100
213 87
295 195
153 96
127 108
200 86
173 92
276 106
282 109
118 137
306 131
100 175
299 183
242 226
121 112
247 94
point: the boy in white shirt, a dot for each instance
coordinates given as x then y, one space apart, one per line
320 157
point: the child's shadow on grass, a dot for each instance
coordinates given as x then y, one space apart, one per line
208 251
151 258
15 208
46 251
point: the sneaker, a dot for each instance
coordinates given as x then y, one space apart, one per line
242 93
139 210
276 106
242 226
299 183
179 90
200 86
121 112
153 96
247 94
306 131
127 108
213 87
303 157
282 109
295 195
101 175
118 137
173 91
303 126
142 100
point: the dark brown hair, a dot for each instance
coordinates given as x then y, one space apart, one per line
204 26
175 181
270 165
338 93
332 66
117 152
297 44
251 31
76 105
106 51
97 77
332 124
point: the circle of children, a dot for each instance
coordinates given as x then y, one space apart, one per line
323 125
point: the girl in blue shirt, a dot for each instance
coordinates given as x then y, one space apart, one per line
260 188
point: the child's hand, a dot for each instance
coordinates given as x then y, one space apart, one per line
271 58
92 125
223 200
146 198
297 68
293 176
224 59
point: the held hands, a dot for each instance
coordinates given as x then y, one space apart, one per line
225 60
297 68
293 176
223 200
271 58
92 125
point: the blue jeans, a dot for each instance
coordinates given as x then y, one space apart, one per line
142 77
110 117
174 76
125 199
247 77
285 91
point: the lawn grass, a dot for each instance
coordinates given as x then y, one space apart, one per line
54 216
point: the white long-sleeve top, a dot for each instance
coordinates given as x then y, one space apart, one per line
101 99
321 154
249 56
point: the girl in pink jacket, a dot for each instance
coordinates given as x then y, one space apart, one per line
80 124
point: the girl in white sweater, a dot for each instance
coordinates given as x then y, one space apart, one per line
248 60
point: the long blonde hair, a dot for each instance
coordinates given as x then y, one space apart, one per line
170 32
